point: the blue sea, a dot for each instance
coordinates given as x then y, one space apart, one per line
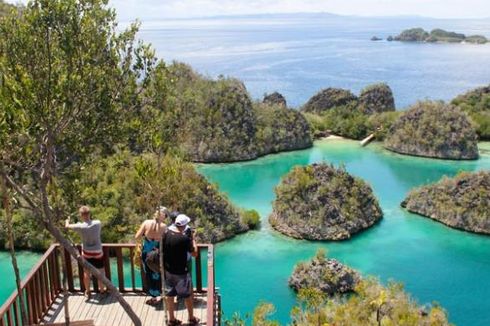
298 55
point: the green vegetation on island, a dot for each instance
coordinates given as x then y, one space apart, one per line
216 120
321 202
330 293
477 104
436 35
280 129
325 274
121 190
342 113
462 202
433 129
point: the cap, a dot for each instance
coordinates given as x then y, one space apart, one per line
182 220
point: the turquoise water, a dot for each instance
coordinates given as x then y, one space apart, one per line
433 261
25 260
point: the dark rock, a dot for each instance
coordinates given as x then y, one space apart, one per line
462 202
327 275
275 98
375 38
327 99
433 129
320 202
376 98
390 38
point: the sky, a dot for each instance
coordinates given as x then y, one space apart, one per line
145 10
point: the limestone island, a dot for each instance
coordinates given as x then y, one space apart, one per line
325 274
436 35
338 111
462 202
218 122
433 129
476 103
321 202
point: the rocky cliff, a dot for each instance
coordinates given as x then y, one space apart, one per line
477 104
321 202
376 98
325 274
462 202
327 99
275 99
433 129
280 129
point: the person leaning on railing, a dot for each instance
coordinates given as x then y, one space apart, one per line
89 231
152 231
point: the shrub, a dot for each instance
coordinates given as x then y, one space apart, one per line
251 218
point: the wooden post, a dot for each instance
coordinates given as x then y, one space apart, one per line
198 271
64 283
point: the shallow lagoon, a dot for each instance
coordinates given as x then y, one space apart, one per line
434 262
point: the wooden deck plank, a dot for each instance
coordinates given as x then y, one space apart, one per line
107 311
144 309
110 312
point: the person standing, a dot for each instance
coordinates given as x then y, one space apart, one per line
89 231
178 282
152 231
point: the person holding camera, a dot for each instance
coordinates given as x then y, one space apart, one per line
89 231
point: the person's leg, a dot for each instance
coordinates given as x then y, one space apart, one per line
102 288
86 281
170 307
189 304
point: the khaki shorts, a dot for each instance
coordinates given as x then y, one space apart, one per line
178 285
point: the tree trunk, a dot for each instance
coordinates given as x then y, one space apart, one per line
45 219
11 245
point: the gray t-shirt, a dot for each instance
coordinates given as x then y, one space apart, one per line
90 233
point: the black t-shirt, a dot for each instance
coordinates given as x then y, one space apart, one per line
176 247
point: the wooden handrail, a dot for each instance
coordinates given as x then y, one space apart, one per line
40 288
42 285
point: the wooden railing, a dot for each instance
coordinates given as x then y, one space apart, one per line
43 284
40 288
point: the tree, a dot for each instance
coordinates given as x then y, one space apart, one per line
7 214
69 85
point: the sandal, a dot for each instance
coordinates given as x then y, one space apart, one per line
194 321
174 322
153 302
87 295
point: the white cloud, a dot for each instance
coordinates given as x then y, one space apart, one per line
157 9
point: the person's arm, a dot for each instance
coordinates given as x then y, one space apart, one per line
194 249
69 225
141 231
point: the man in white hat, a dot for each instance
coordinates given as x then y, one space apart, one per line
178 282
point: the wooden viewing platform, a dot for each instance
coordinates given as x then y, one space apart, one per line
43 292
